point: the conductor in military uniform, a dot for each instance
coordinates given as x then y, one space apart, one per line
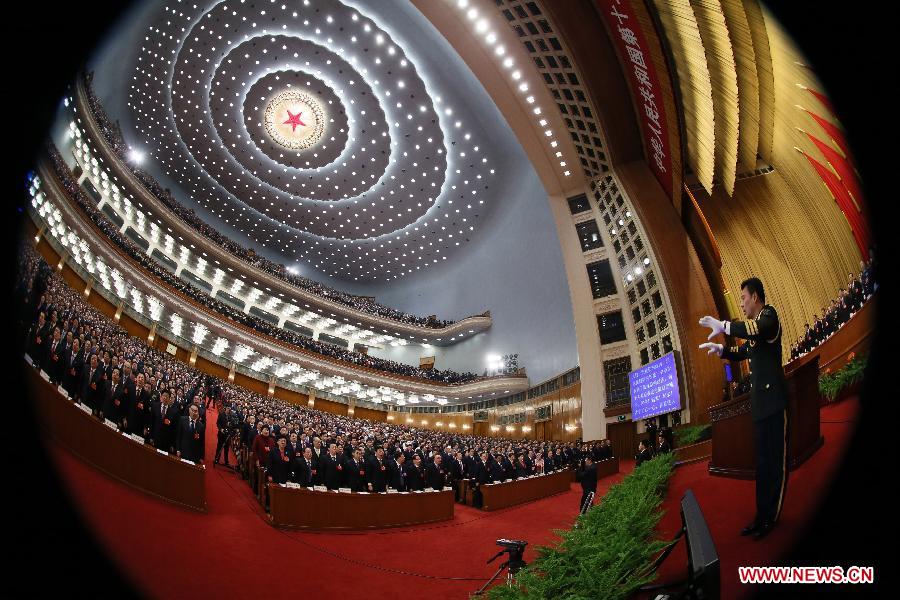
768 397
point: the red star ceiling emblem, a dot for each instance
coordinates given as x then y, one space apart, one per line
294 120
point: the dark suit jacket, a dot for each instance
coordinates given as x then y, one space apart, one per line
74 365
415 477
92 387
435 476
115 402
377 474
355 475
139 412
643 457
163 425
396 475
303 472
191 445
278 465
588 478
331 470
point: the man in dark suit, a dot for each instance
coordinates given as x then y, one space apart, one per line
355 472
377 472
436 473
223 429
56 365
190 438
495 469
768 397
74 363
481 476
662 445
278 463
396 472
415 474
317 453
304 470
92 385
114 407
138 417
643 454
331 468
163 423
588 479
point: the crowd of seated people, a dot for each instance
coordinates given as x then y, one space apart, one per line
850 299
112 232
113 135
154 397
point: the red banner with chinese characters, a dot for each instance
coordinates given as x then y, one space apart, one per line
631 45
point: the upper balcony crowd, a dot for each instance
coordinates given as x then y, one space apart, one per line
109 229
113 135
850 299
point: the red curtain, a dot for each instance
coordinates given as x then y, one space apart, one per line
843 168
842 197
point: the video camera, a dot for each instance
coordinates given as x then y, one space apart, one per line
517 545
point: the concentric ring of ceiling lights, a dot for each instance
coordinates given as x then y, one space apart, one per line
387 182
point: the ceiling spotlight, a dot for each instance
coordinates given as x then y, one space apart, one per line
136 156
481 26
646 261
500 50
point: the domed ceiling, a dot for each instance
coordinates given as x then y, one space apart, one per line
313 128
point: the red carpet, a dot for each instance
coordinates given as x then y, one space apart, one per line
445 560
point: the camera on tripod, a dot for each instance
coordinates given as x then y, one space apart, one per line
514 547
515 563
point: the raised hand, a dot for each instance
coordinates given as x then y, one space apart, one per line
712 348
716 325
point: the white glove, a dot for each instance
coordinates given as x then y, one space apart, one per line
716 325
713 348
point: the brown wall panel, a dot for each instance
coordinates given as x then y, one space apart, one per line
72 278
254 385
212 368
289 395
47 251
133 327
371 414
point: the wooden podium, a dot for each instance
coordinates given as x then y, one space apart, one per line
733 453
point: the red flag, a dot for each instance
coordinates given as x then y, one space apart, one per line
823 100
843 168
842 197
833 131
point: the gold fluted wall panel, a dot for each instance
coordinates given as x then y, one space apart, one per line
722 71
785 227
747 82
766 78
683 35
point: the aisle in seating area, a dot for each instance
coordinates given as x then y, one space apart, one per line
237 548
